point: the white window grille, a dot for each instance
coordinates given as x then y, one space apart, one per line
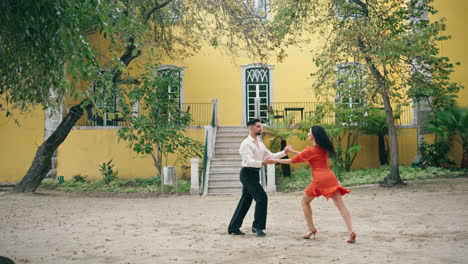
350 87
257 85
261 6
177 72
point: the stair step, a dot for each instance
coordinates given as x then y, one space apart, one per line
227 150
220 179
225 168
225 177
229 140
227 155
233 128
226 159
231 145
236 162
224 194
224 190
226 172
225 184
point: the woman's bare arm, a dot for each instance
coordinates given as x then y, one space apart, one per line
283 161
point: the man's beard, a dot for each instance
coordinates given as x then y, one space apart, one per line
259 133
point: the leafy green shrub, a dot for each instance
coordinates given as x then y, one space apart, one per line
301 178
298 180
78 178
107 171
435 155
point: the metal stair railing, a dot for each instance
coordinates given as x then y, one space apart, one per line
210 140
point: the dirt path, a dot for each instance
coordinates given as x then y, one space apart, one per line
426 222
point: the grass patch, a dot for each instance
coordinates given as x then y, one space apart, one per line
301 178
137 185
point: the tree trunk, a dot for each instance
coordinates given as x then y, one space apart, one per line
393 178
382 150
464 162
157 162
43 159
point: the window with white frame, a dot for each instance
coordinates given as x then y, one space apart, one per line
257 85
261 6
175 91
106 111
350 90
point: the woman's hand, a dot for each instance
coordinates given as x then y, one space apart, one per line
282 161
289 149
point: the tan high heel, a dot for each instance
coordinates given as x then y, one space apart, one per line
310 233
352 238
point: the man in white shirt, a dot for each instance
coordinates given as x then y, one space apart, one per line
254 155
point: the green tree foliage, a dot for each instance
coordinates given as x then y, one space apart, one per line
44 47
343 132
158 130
435 154
449 125
376 124
392 39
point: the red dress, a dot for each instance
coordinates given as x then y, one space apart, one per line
324 180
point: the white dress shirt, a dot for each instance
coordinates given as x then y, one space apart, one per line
253 152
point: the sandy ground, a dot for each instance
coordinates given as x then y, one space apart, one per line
425 222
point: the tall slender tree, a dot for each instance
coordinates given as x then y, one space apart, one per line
398 53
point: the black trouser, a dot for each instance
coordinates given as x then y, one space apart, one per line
251 188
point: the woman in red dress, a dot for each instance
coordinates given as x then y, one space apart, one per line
324 180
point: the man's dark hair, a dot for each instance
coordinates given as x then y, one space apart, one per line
252 122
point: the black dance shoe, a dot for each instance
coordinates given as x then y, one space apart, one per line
258 231
236 232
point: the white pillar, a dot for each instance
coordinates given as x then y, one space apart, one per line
194 185
214 103
271 181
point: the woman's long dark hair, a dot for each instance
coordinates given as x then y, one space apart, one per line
322 139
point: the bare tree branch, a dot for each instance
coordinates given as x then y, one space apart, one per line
154 9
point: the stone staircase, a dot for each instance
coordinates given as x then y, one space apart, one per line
226 162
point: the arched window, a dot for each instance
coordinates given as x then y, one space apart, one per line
175 72
257 83
350 96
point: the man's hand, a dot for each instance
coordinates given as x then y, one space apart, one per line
267 160
288 149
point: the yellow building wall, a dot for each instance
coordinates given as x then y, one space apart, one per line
211 74
455 48
456 19
85 149
18 144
